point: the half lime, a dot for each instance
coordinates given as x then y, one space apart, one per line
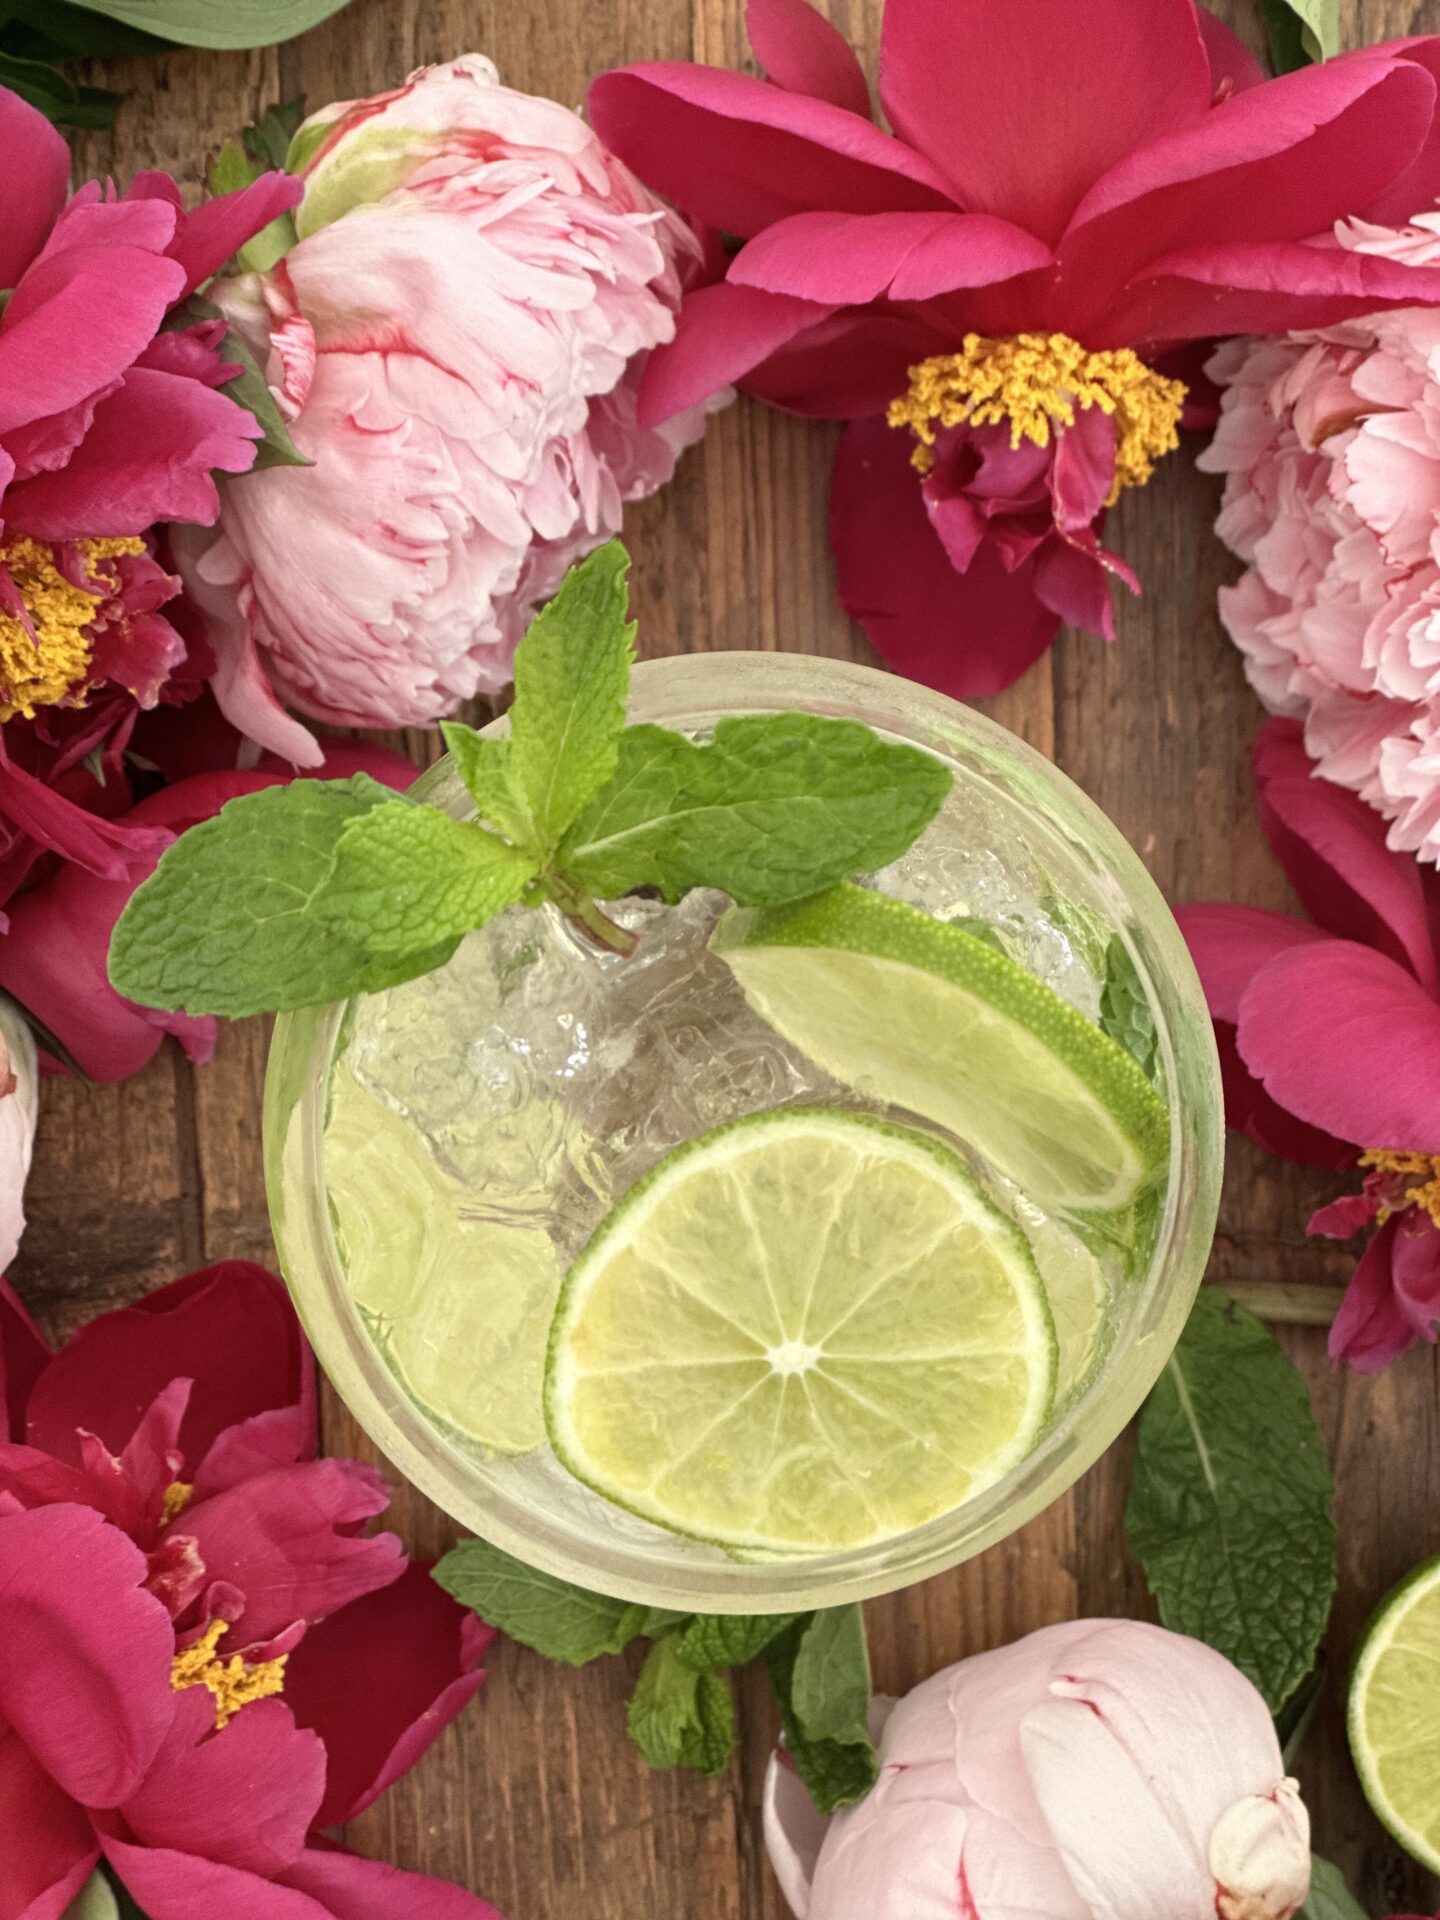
1394 1714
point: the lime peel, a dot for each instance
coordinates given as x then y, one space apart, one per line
1393 1716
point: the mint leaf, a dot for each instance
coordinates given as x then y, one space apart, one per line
484 766
773 807
572 675
1329 1897
1229 1510
728 1640
678 1716
1124 1009
560 1621
227 923
268 140
408 877
820 1671
1294 1719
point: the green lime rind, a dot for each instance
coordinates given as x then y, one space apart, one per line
924 1016
854 1261
1394 1692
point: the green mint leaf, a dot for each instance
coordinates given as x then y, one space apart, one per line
408 877
1329 1897
572 676
1293 1721
678 1716
227 923
820 1671
773 807
1086 933
1124 1010
484 766
728 1640
1301 31
1229 1510
231 169
268 140
549 1615
659 1621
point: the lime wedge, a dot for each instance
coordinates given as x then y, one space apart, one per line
924 1016
805 1331
1079 1293
460 1308
1394 1714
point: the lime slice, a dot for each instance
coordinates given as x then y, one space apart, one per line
805 1331
922 1015
461 1308
1078 1290
1394 1714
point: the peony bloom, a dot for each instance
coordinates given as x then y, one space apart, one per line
1069 193
19 1099
1102 1770
1330 444
455 342
1329 1037
202 1658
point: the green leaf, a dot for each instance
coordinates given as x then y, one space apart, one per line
773 807
484 766
1229 1510
572 675
231 170
251 390
268 140
820 1671
57 97
57 30
1329 1897
207 23
1124 1009
728 1640
1293 1721
95 1901
227 923
407 878
678 1716
560 1621
1301 31
239 164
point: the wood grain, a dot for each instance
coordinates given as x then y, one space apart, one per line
536 1798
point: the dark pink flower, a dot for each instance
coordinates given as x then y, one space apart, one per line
1329 1036
203 1661
1114 179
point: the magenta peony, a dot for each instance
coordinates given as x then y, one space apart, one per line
1101 1770
1330 443
455 341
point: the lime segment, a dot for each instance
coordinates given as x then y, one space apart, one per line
923 1016
1394 1714
460 1308
805 1331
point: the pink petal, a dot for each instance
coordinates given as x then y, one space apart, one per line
24 1356
1230 944
1075 585
244 1796
84 1652
49 1845
168 1885
230 1329
802 52
217 229
733 152
845 367
420 1653
1419 186
1415 1270
1332 847
967 634
851 258
1345 1217
112 849
722 332
1344 1038
1372 1329
288 1541
350 1888
37 167
152 1457
1110 75
1233 68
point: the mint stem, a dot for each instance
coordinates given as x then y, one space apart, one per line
578 908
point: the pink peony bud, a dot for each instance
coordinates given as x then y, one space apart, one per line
1102 1770
455 341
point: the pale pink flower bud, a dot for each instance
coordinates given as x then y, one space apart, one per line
19 1098
1260 1855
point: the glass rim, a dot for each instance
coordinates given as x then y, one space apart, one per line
694 689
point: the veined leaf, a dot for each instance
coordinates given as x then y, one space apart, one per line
219 23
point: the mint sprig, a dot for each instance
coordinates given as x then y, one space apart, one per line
681 1713
309 893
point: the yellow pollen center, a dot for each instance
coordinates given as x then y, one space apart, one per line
1418 1175
41 670
178 1496
233 1684
1036 381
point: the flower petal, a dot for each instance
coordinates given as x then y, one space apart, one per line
722 332
84 1652
800 51
49 1845
844 367
168 1885
1110 76
1233 67
735 153
207 237
1373 1326
1344 1038
851 258
967 634
350 1888
1230 944
420 1655
1419 186
37 168
24 1356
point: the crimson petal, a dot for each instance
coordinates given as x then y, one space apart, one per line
802 52
168 1885
845 367
722 332
1233 67
207 237
37 167
49 1844
24 1356
1372 1328
851 258
349 1888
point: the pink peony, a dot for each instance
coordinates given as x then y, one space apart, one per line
1101 1770
18 1102
1330 443
456 341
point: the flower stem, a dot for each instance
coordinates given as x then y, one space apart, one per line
1288 1305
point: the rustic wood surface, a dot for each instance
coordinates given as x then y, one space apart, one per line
536 1799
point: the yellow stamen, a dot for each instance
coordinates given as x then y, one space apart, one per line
1419 1173
1036 381
43 670
178 1496
233 1684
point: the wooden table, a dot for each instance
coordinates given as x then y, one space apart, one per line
536 1798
